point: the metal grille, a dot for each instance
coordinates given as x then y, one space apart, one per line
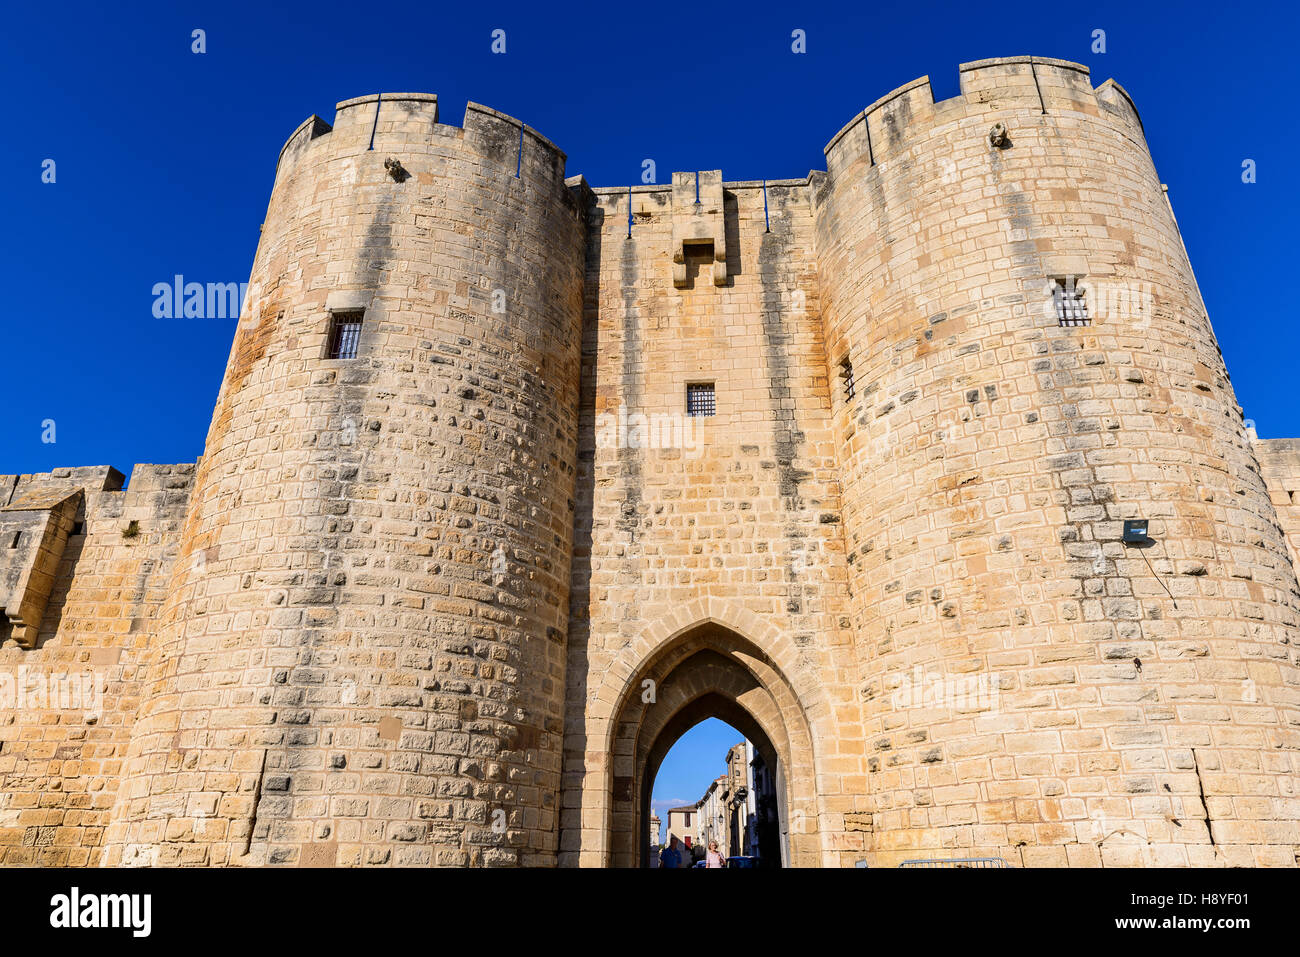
846 373
958 862
700 400
346 335
1071 309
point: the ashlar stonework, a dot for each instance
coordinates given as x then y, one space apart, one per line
450 601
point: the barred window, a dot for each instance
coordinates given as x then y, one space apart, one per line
700 399
846 376
345 334
1071 307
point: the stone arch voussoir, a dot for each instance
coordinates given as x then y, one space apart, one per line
706 650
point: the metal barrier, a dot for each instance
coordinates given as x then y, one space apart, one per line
959 862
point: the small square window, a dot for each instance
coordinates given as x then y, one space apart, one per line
700 399
846 376
1071 307
345 335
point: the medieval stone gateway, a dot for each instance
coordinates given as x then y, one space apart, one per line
429 598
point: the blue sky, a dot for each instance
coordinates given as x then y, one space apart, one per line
164 158
697 758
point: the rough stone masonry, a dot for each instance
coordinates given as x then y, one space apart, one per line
844 461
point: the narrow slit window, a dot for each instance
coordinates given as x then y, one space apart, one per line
700 399
1071 307
17 538
345 335
846 376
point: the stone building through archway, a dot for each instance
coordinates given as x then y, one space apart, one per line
727 709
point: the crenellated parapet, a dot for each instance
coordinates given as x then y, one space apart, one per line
903 118
396 122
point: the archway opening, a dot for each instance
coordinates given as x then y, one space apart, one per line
733 815
708 672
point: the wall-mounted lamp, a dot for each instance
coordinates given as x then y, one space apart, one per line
1135 532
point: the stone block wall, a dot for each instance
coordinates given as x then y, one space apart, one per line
1279 462
1034 689
730 520
67 704
361 659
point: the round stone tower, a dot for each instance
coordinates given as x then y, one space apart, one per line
361 656
1025 362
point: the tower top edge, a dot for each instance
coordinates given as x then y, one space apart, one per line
424 105
387 98
993 84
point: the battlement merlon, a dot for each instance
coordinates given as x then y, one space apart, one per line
1022 83
1279 455
92 478
154 490
391 122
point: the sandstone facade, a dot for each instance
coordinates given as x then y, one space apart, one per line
450 601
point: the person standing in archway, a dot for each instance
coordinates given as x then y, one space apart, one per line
713 857
670 856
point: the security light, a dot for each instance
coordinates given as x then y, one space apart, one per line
1135 531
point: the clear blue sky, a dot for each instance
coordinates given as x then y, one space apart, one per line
165 158
699 756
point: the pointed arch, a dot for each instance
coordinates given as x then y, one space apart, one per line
696 654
